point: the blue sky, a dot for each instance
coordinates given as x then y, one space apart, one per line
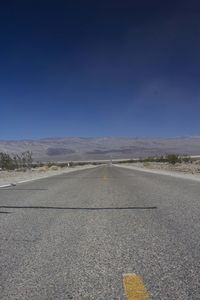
99 68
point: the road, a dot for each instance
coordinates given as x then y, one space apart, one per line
73 236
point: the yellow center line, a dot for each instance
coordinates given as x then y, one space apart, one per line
134 287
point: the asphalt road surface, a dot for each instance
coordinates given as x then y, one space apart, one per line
73 236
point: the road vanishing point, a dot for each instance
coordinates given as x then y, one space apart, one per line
104 233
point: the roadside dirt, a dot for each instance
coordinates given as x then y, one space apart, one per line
188 168
184 171
13 177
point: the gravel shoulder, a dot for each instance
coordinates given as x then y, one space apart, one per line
13 177
185 171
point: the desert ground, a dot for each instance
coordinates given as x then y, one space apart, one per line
14 177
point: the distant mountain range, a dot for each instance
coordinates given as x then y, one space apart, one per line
77 148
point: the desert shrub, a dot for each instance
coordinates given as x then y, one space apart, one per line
173 159
146 164
161 159
149 159
54 168
43 169
186 159
15 161
6 162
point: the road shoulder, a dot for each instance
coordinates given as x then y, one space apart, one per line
31 176
162 172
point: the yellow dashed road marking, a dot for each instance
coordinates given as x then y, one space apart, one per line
134 287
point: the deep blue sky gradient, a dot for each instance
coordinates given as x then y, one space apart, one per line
99 68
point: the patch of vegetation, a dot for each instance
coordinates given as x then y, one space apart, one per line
168 158
16 161
186 159
173 159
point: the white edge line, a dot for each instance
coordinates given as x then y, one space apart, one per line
5 185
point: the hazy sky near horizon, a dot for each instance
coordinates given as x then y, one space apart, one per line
99 68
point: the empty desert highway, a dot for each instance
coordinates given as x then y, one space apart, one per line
73 236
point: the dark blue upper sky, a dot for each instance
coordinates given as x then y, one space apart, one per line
96 68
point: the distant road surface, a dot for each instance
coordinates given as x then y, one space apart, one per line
73 236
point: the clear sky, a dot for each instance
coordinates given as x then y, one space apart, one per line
99 68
